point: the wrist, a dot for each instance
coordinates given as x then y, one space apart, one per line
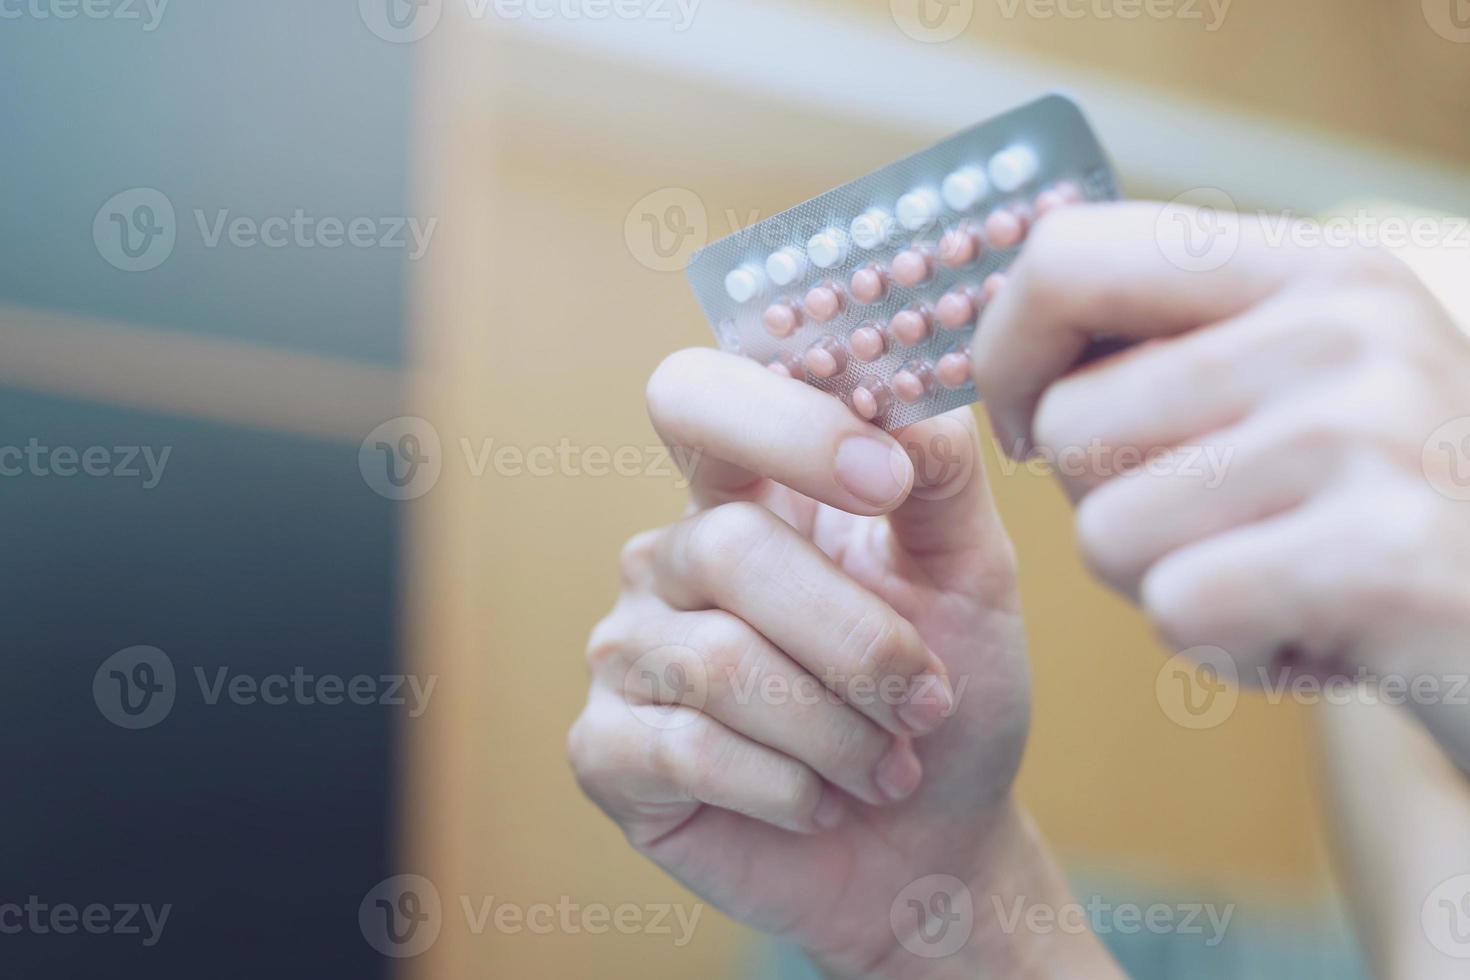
1002 913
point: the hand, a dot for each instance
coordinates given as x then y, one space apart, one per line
1296 505
806 816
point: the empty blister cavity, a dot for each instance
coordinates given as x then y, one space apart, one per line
880 305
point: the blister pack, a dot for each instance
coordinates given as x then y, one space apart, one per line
872 290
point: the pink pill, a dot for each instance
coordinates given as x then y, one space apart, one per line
1005 228
787 365
953 369
826 358
956 308
959 246
823 302
867 342
913 381
1058 196
911 267
869 284
910 326
992 286
870 398
781 318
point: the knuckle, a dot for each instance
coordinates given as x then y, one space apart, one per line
719 540
875 646
728 648
1368 265
636 558
603 643
854 745
1052 425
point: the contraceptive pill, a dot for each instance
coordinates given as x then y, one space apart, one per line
873 291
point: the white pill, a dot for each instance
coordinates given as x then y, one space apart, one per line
828 248
786 266
872 228
963 188
745 283
1012 167
917 209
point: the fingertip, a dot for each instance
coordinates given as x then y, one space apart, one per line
873 468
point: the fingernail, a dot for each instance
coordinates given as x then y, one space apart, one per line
898 772
877 472
930 702
830 809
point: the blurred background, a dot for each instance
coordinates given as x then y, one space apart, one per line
323 333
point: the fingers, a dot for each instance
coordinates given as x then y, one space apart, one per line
739 422
743 559
949 508
1104 269
714 663
651 769
1283 454
1166 392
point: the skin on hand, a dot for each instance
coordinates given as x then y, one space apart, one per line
1314 379
812 691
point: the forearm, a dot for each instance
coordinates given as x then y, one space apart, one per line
1399 810
1026 922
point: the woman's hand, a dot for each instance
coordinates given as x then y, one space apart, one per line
1276 469
800 707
